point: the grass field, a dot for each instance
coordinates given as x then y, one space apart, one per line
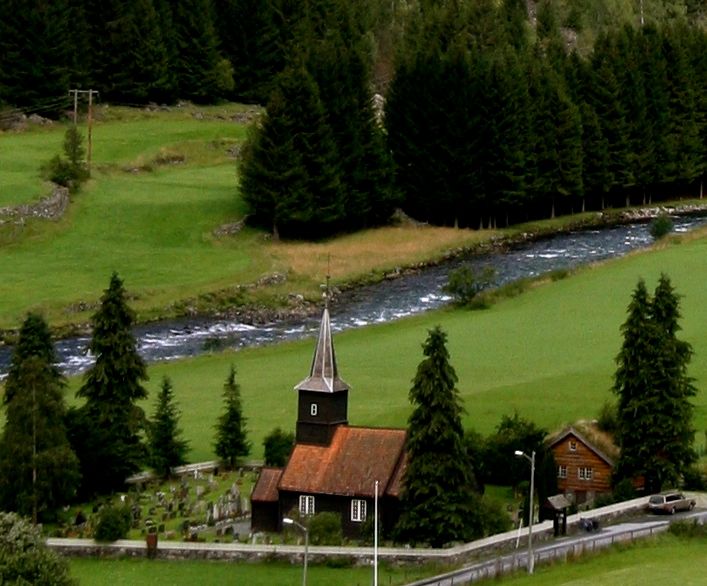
668 561
162 573
162 183
548 354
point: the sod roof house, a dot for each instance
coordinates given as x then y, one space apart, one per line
585 461
333 466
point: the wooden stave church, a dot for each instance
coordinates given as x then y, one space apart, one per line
333 466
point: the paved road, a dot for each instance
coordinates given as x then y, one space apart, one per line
643 526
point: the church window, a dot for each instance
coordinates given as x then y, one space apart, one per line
306 504
313 409
358 510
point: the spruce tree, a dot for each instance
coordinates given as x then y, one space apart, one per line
231 435
438 504
107 428
39 471
654 411
166 447
289 172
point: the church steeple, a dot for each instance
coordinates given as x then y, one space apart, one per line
323 395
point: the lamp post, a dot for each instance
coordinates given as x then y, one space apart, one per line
531 459
288 521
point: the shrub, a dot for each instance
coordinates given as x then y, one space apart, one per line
660 226
607 419
24 557
494 518
694 479
688 528
465 283
278 445
325 529
113 523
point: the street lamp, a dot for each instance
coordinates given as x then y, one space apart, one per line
531 459
288 521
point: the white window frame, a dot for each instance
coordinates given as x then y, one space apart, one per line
562 471
358 510
306 505
573 446
585 473
313 409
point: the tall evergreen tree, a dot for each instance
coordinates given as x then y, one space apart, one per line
203 75
39 471
166 447
438 502
289 173
35 54
654 411
231 435
107 429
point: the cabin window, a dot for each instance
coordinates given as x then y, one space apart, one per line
358 510
585 473
306 504
562 471
573 446
313 409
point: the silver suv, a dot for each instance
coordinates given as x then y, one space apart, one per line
670 502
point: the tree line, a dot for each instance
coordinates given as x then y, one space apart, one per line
51 455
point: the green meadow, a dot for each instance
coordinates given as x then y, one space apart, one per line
547 354
668 561
163 181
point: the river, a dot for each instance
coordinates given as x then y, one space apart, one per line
389 300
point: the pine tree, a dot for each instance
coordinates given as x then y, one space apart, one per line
231 435
165 446
203 75
289 172
107 429
437 502
39 471
654 412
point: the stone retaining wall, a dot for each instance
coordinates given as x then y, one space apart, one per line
476 550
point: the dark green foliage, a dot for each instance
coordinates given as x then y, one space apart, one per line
35 52
203 75
494 517
465 284
113 523
24 557
39 471
694 479
325 529
512 433
438 503
278 446
660 227
607 419
655 432
290 176
71 171
688 528
231 436
106 430
165 445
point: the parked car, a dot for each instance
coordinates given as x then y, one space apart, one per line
670 502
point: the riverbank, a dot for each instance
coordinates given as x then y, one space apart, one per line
356 261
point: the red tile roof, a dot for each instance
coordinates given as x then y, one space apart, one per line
266 487
350 465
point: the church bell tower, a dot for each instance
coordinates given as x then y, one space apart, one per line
323 397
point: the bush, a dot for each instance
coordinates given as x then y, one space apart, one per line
494 518
465 284
688 528
113 523
660 226
325 529
607 419
278 445
24 557
694 479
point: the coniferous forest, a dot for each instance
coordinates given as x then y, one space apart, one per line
494 111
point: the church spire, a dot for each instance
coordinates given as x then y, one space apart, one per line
324 375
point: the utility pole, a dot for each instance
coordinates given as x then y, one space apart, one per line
89 142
